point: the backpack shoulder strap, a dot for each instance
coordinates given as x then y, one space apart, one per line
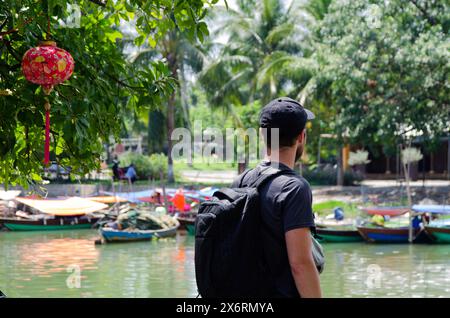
243 175
268 174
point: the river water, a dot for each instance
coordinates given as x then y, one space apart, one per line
47 264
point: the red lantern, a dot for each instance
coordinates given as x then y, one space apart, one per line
47 65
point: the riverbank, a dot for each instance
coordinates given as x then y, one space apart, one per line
376 191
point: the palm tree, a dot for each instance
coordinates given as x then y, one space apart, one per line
265 55
317 8
183 57
266 40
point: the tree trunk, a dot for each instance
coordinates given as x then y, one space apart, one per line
340 168
170 127
156 134
172 60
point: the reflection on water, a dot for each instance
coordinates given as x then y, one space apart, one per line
39 264
371 270
57 254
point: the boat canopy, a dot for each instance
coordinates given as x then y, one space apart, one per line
73 206
133 197
385 210
9 195
107 199
431 208
146 195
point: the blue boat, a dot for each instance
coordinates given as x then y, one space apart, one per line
112 235
386 235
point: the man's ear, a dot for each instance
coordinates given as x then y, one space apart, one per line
301 136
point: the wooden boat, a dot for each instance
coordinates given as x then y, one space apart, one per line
48 224
186 220
190 228
385 211
386 234
335 224
112 235
336 235
438 234
438 230
50 215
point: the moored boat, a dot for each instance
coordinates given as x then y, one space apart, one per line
438 234
190 228
187 221
438 230
114 235
336 235
386 234
49 215
48 224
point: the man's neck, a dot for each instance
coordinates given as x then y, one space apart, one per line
285 156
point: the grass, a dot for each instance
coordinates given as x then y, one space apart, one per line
204 166
326 207
211 166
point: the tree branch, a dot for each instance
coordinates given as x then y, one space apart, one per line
98 2
12 52
424 12
3 24
8 32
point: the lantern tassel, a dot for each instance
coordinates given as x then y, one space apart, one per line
47 134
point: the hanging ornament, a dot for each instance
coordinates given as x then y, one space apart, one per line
47 65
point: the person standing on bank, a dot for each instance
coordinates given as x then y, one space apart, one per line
254 239
286 201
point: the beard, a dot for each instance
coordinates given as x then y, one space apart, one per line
299 152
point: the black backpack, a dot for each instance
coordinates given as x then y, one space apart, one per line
229 259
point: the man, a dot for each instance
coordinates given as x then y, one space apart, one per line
115 168
286 203
131 173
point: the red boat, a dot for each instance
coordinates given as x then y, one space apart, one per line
390 211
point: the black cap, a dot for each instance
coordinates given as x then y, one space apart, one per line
286 114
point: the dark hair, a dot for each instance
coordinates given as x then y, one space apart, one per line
286 138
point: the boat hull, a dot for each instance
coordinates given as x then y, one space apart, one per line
47 225
338 236
112 235
439 234
190 228
386 235
186 222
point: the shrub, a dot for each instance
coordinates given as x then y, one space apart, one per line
142 163
146 166
158 163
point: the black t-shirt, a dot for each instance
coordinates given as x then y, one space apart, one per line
285 205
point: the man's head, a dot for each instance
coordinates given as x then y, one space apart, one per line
290 117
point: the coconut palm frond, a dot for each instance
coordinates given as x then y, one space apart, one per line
280 33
